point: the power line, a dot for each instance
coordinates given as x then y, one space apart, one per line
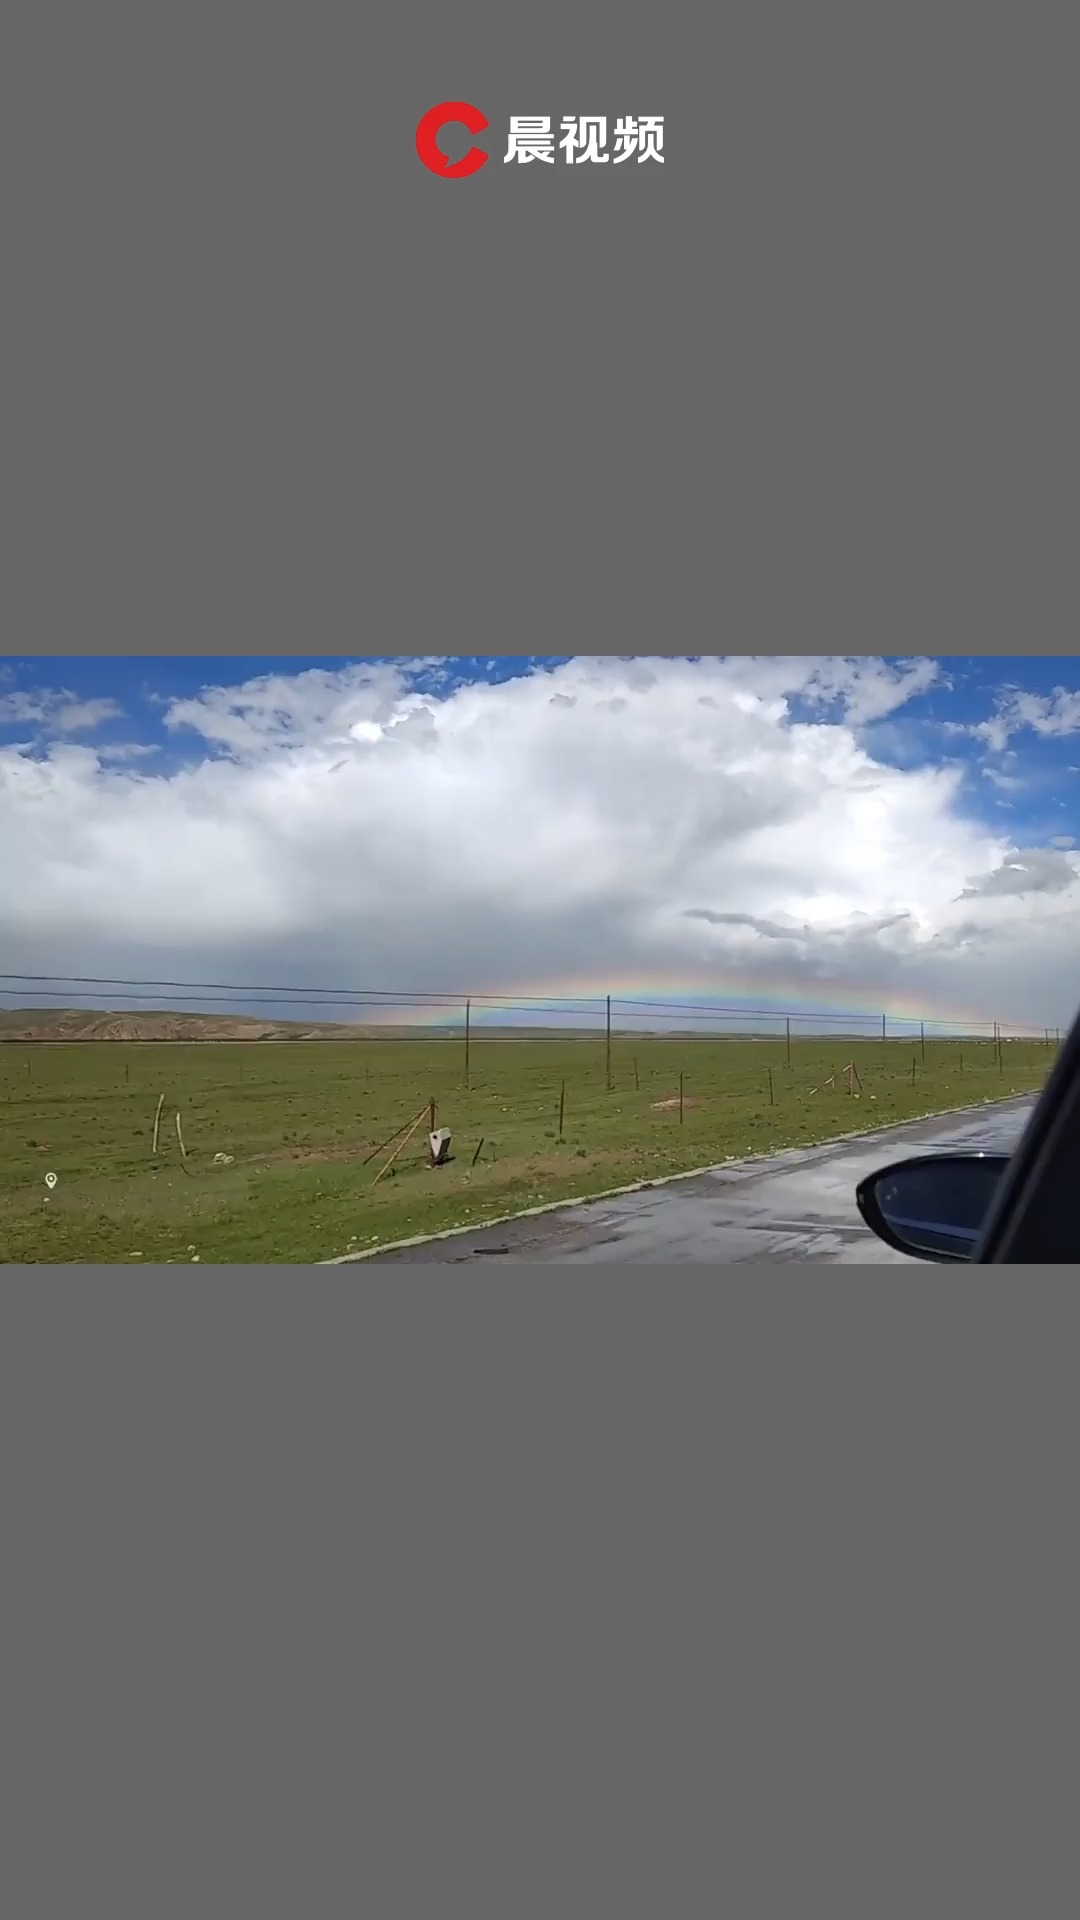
718 1011
298 1000
514 1002
438 997
384 1000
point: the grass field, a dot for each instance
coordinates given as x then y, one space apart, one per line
297 1121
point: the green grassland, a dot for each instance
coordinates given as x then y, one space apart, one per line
299 1121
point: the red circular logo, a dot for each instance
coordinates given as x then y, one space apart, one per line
427 145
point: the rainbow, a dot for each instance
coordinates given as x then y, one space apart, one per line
647 998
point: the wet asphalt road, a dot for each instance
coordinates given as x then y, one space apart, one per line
795 1206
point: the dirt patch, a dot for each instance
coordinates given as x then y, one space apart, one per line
669 1106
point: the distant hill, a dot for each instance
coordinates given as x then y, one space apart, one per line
59 1024
66 1023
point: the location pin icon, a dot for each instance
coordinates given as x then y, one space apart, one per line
50 1181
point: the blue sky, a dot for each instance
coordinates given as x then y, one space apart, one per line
1029 786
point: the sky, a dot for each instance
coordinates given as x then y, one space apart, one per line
811 835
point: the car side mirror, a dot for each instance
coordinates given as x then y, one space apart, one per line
935 1206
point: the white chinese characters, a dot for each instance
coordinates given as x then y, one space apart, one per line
584 138
531 138
644 136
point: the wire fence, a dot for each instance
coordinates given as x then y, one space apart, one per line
358 1014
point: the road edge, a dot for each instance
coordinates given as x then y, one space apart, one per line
664 1180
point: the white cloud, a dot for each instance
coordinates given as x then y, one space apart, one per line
290 713
82 716
126 750
1038 870
870 689
1056 713
55 710
627 821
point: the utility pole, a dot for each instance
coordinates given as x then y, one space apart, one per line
609 1043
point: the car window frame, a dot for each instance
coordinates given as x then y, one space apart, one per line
1036 1213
